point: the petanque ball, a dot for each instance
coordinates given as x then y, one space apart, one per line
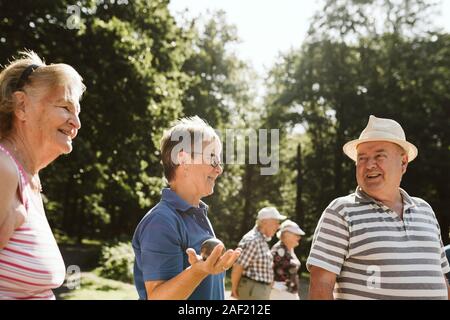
208 246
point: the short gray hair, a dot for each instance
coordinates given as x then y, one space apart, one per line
195 128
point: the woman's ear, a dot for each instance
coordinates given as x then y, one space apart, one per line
183 158
19 110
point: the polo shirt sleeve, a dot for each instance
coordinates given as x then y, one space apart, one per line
161 248
444 262
248 253
330 242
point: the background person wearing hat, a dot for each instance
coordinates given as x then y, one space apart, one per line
252 274
378 242
286 263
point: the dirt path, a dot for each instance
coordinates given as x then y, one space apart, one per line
304 286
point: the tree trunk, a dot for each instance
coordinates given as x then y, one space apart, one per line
247 194
299 212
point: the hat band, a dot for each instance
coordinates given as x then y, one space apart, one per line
381 135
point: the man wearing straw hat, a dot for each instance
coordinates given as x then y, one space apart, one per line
378 242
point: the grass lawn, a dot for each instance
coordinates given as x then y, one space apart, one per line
94 287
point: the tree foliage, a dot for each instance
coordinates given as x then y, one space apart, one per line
349 69
130 55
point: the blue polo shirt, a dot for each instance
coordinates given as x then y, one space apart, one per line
160 242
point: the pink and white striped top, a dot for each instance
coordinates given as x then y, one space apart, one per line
30 264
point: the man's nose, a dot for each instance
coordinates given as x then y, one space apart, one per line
371 163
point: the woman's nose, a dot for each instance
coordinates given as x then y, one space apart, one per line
75 121
219 169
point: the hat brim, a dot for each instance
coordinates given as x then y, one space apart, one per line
279 232
350 147
279 217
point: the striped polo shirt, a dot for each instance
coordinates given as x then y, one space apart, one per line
376 254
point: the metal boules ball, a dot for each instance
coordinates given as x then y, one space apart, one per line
208 246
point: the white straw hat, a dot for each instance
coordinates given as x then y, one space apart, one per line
380 129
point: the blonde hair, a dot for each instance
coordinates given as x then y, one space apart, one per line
44 76
195 128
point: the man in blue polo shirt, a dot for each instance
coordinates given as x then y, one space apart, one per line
169 236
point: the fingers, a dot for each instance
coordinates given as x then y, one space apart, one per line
216 262
228 259
192 256
215 255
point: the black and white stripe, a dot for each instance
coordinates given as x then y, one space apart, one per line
376 254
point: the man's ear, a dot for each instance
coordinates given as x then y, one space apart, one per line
19 110
404 162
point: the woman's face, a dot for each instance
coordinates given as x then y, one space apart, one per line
291 240
204 169
52 122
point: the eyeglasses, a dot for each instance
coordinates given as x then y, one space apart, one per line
214 161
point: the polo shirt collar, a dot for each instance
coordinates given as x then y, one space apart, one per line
407 201
179 204
363 197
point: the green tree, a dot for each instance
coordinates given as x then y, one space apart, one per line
350 68
130 55
221 91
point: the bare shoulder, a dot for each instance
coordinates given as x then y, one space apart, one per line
8 169
10 180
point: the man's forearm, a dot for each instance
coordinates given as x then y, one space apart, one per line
236 275
321 283
320 291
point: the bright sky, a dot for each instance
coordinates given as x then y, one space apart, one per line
268 27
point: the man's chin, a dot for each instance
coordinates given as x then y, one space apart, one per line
373 191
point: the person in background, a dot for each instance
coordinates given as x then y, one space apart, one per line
39 118
252 274
285 263
167 239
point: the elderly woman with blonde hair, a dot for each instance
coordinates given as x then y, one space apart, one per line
285 262
39 118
